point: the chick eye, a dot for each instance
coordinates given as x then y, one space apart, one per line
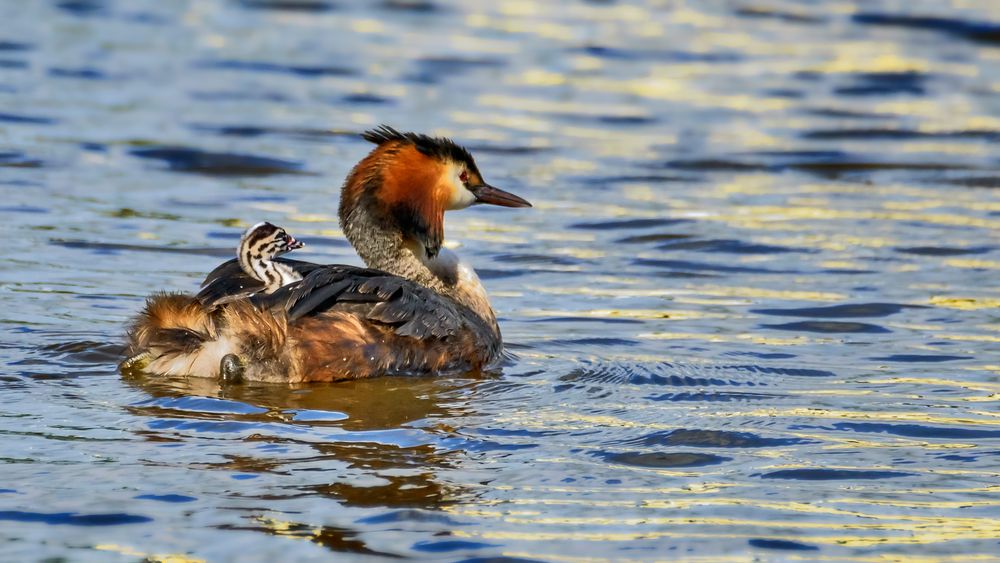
464 176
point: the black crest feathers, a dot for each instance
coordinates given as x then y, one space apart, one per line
438 147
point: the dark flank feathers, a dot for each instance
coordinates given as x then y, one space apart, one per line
437 147
409 308
178 339
413 310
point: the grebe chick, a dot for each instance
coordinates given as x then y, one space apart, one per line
259 245
416 308
256 256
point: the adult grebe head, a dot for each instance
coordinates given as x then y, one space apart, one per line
407 183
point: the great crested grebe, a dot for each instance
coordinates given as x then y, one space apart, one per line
416 308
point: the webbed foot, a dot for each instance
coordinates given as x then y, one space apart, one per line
135 364
231 369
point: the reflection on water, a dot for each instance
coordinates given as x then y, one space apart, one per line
753 311
352 440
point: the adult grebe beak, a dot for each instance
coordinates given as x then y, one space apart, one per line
486 193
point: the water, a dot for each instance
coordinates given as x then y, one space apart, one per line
754 308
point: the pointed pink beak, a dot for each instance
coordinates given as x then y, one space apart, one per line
495 196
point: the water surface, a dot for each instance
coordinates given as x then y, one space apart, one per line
754 310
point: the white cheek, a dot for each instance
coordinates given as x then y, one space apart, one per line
461 197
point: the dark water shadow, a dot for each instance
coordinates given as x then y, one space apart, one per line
839 113
665 55
829 327
916 430
412 6
784 545
186 159
84 8
304 71
699 438
17 118
727 246
84 352
828 164
856 310
945 250
696 267
15 46
654 237
15 159
883 84
78 73
833 474
974 181
594 341
897 134
107 247
714 397
980 32
575 320
758 12
73 518
363 99
435 69
250 131
634 179
508 150
919 358
664 460
307 6
706 377
621 224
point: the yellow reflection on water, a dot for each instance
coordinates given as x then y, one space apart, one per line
746 214
151 557
641 314
927 531
765 293
708 337
890 558
964 303
860 415
983 386
693 488
973 263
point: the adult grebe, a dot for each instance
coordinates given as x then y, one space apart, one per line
416 309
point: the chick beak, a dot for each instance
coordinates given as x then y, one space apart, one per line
486 193
293 244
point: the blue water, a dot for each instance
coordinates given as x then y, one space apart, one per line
754 311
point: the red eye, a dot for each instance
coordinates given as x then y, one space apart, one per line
464 177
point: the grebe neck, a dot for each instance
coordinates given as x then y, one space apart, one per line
264 269
384 247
